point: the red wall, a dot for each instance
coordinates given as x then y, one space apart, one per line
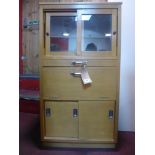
29 84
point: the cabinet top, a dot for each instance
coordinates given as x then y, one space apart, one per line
80 3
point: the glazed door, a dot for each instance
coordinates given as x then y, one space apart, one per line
61 119
61 34
96 120
81 33
98 32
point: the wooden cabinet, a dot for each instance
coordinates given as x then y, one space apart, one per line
79 74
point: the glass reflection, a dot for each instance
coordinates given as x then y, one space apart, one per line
63 34
97 32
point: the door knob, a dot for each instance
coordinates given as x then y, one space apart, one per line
48 112
79 62
111 114
47 34
114 33
76 74
75 112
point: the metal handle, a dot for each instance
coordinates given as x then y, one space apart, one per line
75 112
79 62
76 74
111 114
48 112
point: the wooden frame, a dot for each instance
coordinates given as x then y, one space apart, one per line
48 52
65 60
55 6
79 38
113 52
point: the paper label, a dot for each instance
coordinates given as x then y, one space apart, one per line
85 76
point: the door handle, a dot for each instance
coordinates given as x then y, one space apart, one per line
79 62
75 112
76 74
48 112
111 114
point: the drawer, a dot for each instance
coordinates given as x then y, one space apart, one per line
59 84
70 62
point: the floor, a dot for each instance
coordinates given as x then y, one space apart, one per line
29 141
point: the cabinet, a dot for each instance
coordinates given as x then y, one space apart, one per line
79 74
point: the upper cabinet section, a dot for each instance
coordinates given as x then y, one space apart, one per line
79 32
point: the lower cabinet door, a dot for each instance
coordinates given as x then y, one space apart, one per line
96 120
61 119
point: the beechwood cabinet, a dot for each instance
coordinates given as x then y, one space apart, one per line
79 74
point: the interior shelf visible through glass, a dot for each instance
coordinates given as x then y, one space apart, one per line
97 32
87 33
63 31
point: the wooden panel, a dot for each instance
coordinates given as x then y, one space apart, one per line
78 145
58 83
90 62
20 36
94 121
73 1
30 50
60 122
83 1
49 0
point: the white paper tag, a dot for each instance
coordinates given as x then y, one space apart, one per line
85 76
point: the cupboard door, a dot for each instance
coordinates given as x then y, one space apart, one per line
98 32
61 34
61 119
84 32
96 120
59 84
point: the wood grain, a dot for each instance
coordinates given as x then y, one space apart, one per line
94 121
61 92
30 44
58 83
61 122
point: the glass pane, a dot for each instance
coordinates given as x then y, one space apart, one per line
97 32
63 33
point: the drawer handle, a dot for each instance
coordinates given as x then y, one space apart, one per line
75 112
48 112
79 62
111 114
76 74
